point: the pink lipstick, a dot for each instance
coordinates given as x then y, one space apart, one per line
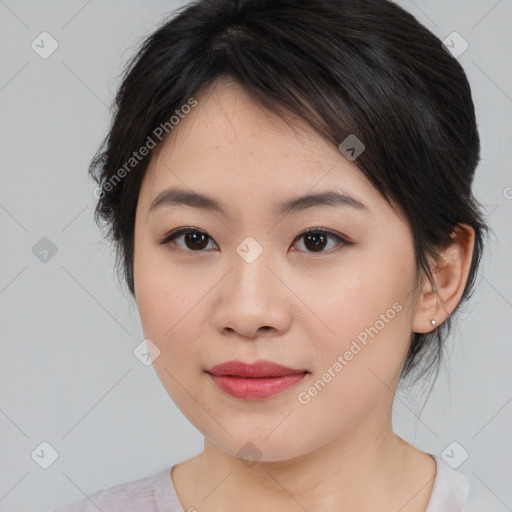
255 381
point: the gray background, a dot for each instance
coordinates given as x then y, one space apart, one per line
68 375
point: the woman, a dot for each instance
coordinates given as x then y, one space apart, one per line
288 185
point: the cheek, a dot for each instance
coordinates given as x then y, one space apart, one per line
152 296
162 301
353 296
159 288
169 304
366 320
356 368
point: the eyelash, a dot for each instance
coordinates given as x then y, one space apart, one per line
170 237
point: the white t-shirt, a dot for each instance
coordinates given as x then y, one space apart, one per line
156 493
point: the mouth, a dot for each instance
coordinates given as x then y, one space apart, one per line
256 381
259 369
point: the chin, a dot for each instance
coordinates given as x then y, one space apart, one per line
264 448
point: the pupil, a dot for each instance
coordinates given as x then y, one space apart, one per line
316 242
197 239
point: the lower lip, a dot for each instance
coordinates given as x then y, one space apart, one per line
252 388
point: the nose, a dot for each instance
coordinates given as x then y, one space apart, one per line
252 300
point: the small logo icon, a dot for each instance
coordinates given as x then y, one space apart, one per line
44 45
455 44
146 352
44 250
250 454
351 147
249 250
44 455
454 455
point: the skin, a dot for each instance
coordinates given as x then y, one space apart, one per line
293 306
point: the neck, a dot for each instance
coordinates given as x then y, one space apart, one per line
366 468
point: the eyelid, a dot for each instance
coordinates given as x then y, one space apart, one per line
324 231
181 231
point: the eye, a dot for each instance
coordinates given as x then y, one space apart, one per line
316 239
195 240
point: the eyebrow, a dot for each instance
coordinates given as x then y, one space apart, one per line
182 197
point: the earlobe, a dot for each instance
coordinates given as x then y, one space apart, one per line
439 298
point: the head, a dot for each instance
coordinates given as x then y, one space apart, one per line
250 123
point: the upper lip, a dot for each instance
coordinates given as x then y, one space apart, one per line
257 369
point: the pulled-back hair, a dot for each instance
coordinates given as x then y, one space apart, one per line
345 67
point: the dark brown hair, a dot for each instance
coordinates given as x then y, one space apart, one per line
345 67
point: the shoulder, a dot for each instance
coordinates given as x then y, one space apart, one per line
481 498
450 491
453 492
149 494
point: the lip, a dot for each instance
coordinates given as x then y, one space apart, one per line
258 369
255 381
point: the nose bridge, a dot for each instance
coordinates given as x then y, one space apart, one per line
252 296
251 279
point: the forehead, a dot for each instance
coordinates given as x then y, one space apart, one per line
228 143
226 118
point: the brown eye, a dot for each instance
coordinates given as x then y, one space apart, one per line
192 239
195 240
316 240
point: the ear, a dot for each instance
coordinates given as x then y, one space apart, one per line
439 298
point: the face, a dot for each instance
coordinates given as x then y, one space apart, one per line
244 282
